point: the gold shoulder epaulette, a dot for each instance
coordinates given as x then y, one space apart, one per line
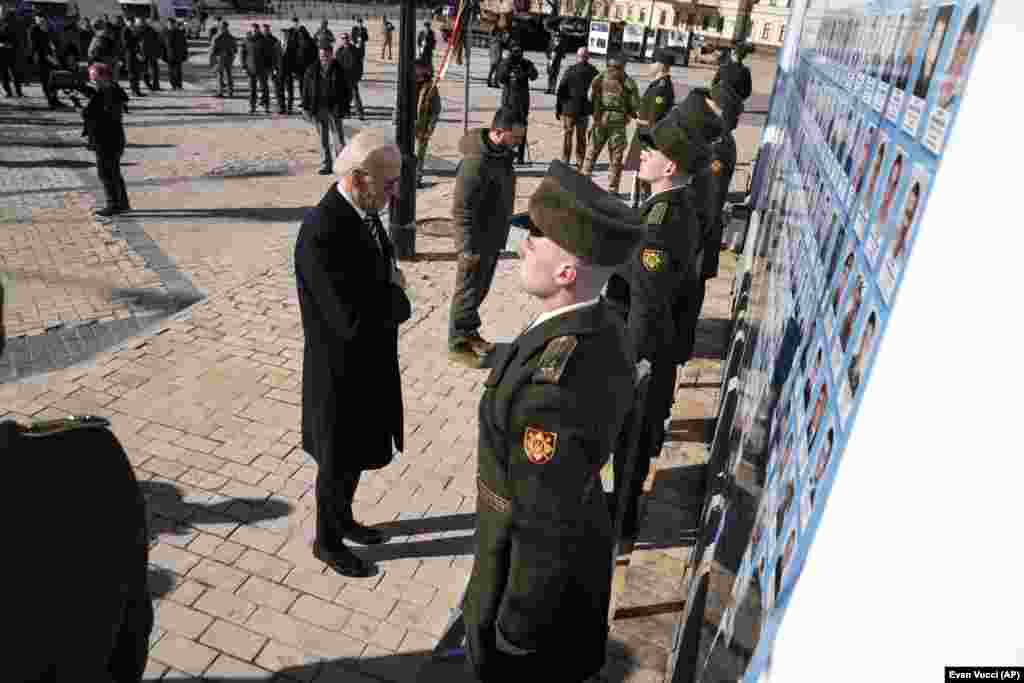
554 359
64 424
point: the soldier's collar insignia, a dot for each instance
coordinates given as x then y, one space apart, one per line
653 259
539 445
554 359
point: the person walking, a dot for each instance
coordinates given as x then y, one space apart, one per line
222 53
573 106
389 33
175 52
44 53
555 54
255 61
151 48
104 124
352 301
556 399
275 64
325 101
9 71
615 99
428 111
352 66
482 204
495 51
514 76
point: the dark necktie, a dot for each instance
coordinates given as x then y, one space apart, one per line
377 230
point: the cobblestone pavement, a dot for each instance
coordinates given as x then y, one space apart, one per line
206 400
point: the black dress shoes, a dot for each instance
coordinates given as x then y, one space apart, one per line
363 535
343 561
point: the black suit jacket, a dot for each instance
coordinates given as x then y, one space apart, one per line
351 388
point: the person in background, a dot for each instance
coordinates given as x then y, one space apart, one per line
275 66
389 32
325 102
255 61
150 48
45 56
104 124
556 52
514 76
352 66
222 54
175 52
428 111
495 51
616 100
133 58
573 107
425 43
324 35
485 190
103 47
9 70
352 301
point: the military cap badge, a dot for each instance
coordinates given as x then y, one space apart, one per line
653 259
539 445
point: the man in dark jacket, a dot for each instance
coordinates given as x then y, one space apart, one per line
152 48
105 127
293 64
275 62
662 270
175 52
425 43
556 52
324 35
133 59
45 56
352 66
536 608
485 190
514 76
325 98
222 56
573 107
495 52
103 47
254 59
352 300
9 54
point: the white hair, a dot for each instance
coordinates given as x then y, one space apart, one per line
363 149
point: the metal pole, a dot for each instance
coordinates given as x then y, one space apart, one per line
402 225
467 32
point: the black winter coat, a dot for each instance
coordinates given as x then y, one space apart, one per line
255 54
514 75
351 63
340 92
151 45
351 387
573 95
175 45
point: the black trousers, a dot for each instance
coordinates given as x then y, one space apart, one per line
174 74
9 71
108 167
131 649
521 149
335 490
261 80
152 65
135 71
44 79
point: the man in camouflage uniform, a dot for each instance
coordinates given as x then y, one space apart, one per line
616 99
428 111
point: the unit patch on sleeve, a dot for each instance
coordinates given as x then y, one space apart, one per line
653 259
656 216
539 445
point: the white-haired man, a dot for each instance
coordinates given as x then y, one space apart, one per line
352 299
573 106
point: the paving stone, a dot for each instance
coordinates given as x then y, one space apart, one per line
181 620
233 640
183 654
320 612
225 605
267 594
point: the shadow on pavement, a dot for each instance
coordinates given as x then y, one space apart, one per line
262 214
55 163
171 514
61 144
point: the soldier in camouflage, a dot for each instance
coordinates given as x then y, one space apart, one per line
428 111
616 100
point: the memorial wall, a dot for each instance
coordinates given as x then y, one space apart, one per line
862 109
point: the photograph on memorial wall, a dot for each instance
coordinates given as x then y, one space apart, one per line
853 141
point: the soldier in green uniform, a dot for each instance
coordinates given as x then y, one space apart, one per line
428 111
657 101
663 268
110 616
616 99
536 607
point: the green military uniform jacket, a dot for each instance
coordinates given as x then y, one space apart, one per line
662 269
554 402
658 99
615 102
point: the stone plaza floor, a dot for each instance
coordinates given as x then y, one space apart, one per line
205 393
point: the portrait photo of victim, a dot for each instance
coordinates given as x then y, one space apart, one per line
912 43
846 159
898 248
953 80
868 195
889 68
813 372
842 282
824 458
818 413
891 188
833 261
833 226
860 159
937 37
869 335
852 309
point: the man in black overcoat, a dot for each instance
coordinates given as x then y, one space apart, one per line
514 76
536 607
351 295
